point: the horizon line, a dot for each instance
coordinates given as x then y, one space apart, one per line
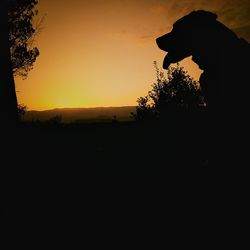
51 109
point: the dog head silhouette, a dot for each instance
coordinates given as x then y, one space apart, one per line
215 48
198 34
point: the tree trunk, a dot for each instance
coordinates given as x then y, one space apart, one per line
8 99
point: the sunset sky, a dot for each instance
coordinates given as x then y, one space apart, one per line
101 52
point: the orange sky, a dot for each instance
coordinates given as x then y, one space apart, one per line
101 53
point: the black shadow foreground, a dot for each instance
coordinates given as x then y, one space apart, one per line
51 197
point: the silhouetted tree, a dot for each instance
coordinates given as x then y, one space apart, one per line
22 34
176 92
16 53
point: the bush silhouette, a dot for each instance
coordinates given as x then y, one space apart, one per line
22 109
54 121
176 92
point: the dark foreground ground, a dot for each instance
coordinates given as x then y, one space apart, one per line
119 185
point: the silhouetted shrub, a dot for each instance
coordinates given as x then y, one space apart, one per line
21 110
114 119
176 92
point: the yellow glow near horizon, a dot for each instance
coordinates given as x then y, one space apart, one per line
100 53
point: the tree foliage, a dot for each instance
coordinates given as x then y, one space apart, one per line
172 93
22 35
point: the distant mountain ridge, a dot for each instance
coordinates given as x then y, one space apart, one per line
83 114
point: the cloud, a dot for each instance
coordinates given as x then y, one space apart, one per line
234 14
156 17
132 36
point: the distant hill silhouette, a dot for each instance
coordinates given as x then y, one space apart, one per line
99 114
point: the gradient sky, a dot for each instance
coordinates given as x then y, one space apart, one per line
101 52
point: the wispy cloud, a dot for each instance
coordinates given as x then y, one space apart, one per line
234 14
156 17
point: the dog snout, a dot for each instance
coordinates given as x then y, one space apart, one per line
164 42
